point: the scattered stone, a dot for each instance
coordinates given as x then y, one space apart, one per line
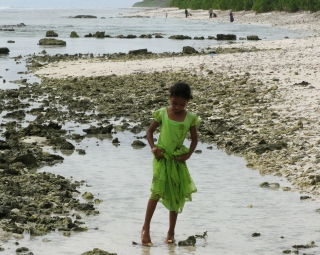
84 17
188 50
97 251
269 185
98 130
190 241
74 34
10 41
22 249
51 33
221 37
115 140
4 50
138 52
52 41
81 151
138 143
306 246
87 195
180 37
99 34
253 38
256 235
305 197
198 38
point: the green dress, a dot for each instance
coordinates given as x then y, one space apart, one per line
172 183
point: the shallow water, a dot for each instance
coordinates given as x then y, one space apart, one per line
121 177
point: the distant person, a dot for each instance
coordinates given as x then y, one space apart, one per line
210 13
231 16
166 15
186 12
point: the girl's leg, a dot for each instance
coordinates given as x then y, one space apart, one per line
172 224
145 233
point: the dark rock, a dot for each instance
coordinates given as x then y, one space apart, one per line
4 50
198 38
256 234
180 37
4 145
84 17
99 130
253 37
188 50
28 160
85 207
99 34
115 140
97 251
142 36
20 114
10 41
226 37
138 143
191 241
74 34
51 33
303 83
138 52
158 36
52 41
22 249
131 36
89 35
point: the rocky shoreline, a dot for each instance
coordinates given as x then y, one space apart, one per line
267 114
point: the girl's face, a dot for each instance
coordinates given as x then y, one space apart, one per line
178 104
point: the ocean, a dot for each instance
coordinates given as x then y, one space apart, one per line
229 204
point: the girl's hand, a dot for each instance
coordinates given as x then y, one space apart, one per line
158 153
183 157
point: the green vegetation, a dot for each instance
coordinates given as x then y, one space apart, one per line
152 3
237 5
255 5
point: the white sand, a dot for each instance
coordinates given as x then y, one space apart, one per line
289 60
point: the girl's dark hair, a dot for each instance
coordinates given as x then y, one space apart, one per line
181 89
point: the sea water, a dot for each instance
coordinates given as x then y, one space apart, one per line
229 204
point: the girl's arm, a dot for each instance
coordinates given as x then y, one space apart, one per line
153 126
193 144
157 152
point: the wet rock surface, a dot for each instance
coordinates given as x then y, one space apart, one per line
236 113
52 41
236 110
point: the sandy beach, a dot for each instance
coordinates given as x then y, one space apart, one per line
289 66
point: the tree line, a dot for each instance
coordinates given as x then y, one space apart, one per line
255 5
238 5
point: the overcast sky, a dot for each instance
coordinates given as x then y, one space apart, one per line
67 3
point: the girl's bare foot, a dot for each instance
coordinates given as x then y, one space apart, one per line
145 237
170 238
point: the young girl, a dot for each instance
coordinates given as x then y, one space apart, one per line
172 184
